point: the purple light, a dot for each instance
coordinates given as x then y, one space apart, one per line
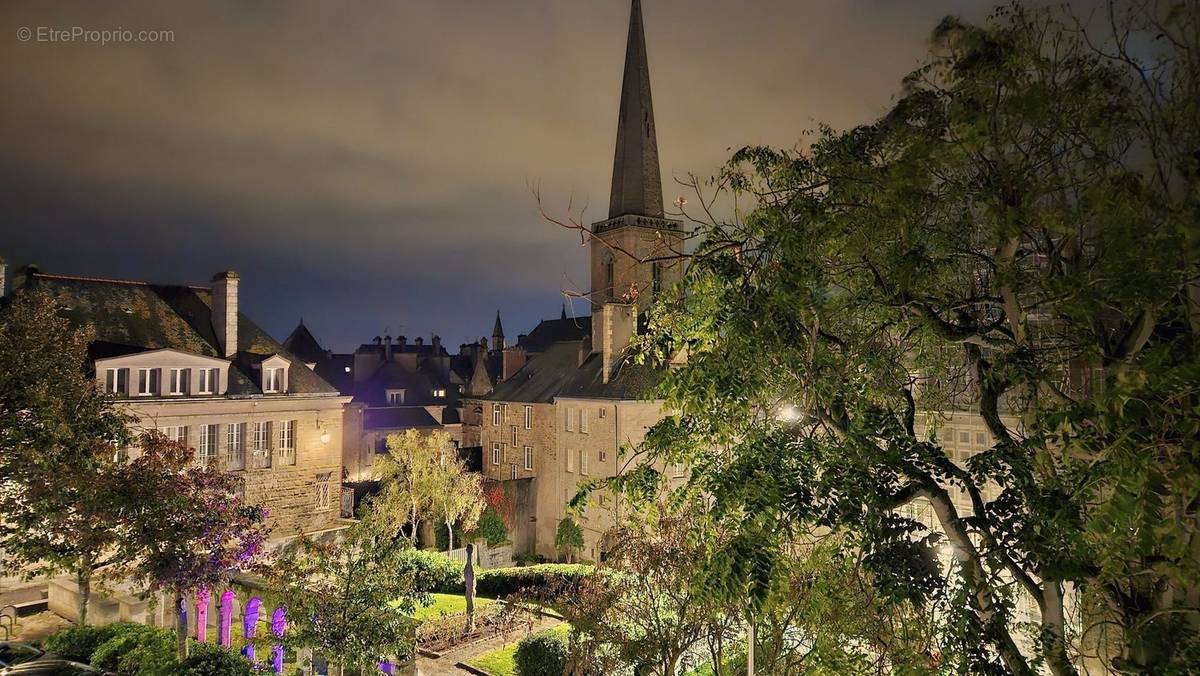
225 620
250 627
278 626
202 600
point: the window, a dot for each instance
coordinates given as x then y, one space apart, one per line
583 462
439 394
395 397
235 448
273 380
208 444
322 486
147 382
528 417
179 381
656 278
603 412
570 461
287 442
512 471
178 434
208 381
514 435
680 470
260 444
608 278
495 452
529 457
496 414
569 422
583 421
116 381
603 455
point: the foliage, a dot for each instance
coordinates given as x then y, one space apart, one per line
80 643
568 538
414 475
491 528
1014 243
429 571
502 582
211 660
459 497
137 650
357 596
542 654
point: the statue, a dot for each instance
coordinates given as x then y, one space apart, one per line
469 586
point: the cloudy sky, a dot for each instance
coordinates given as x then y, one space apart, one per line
367 166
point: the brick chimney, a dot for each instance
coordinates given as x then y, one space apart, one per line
402 342
387 348
612 329
225 311
437 345
511 361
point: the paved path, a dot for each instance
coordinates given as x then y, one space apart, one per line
444 666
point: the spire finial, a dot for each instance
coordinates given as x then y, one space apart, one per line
637 183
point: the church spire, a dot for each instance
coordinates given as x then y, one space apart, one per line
637 183
498 334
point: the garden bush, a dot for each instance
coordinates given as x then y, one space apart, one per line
210 660
137 650
431 571
501 582
542 654
80 643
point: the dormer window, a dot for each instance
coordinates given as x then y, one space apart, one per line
273 380
439 394
116 381
177 383
147 382
395 397
208 381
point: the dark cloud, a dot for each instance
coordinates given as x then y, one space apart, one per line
368 165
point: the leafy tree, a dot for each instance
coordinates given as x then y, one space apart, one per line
458 496
568 538
492 526
413 476
1015 240
357 596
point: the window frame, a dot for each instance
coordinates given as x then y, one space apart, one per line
287 442
209 446
147 381
497 416
116 380
497 453
528 458
235 446
273 380
528 417
177 381
323 483
583 462
208 381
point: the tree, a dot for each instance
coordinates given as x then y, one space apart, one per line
568 538
356 596
458 495
1015 240
492 526
413 475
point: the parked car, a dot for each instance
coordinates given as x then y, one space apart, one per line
22 659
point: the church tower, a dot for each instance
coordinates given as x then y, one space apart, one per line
632 250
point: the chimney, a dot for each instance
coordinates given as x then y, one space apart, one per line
419 341
387 348
612 329
225 311
378 340
585 349
437 345
511 361
402 342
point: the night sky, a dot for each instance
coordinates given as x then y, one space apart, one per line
367 165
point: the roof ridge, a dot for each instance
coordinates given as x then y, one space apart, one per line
111 280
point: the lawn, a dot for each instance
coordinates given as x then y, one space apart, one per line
502 661
446 604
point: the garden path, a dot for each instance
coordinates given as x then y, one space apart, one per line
444 665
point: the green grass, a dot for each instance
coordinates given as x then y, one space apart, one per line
502 661
446 604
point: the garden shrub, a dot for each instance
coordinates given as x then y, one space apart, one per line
78 644
501 582
491 528
210 660
431 571
137 650
542 654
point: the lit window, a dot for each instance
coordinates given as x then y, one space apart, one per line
260 444
287 442
529 457
273 380
439 394
147 382
496 414
116 381
347 369
235 449
528 417
178 381
395 397
323 485
495 452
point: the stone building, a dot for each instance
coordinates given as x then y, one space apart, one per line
185 361
566 399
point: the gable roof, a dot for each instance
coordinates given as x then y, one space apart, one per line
131 316
549 331
302 344
556 372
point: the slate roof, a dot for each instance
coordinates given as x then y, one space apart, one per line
302 344
549 331
557 373
397 417
132 316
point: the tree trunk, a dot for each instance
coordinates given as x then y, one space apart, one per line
413 523
450 535
181 625
83 579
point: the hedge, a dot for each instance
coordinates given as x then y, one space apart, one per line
138 651
209 660
500 582
78 644
542 654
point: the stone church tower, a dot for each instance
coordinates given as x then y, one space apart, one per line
632 250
